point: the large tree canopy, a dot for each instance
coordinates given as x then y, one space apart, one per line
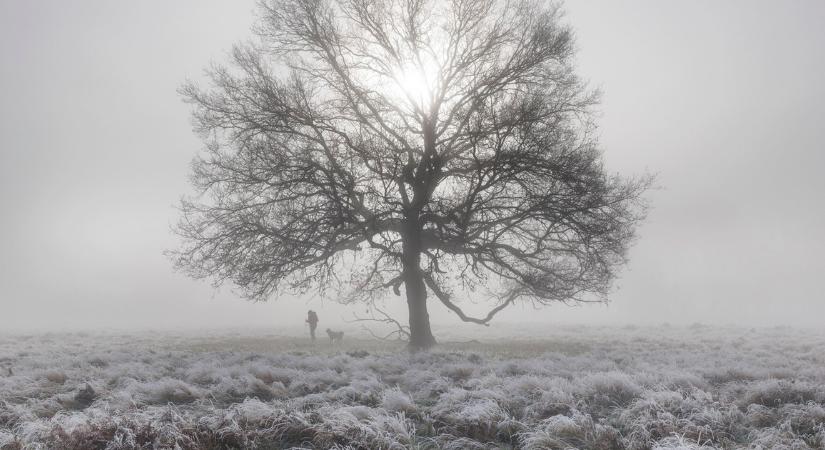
435 145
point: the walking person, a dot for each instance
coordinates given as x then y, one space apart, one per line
312 320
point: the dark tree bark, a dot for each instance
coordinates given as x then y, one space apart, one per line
446 146
421 337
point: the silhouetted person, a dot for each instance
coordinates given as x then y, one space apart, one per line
312 320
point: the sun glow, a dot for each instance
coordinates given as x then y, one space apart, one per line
416 83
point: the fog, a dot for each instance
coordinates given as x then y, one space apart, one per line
724 101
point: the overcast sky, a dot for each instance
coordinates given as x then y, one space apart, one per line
724 100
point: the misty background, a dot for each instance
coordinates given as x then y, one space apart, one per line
724 100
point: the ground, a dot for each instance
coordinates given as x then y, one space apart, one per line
540 387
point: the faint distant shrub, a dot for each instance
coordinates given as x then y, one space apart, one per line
539 398
127 434
398 426
475 358
719 425
98 362
365 391
818 440
565 432
397 401
548 406
424 385
282 375
168 390
234 390
55 376
728 375
316 381
9 441
513 369
450 442
9 418
694 416
252 411
782 373
81 438
760 416
686 382
679 443
265 376
776 439
604 391
471 414
335 428
458 372
805 420
82 399
50 406
774 393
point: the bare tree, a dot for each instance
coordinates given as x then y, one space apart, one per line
438 145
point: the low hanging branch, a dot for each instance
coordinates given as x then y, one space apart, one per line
401 332
445 299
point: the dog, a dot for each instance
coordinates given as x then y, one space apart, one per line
335 336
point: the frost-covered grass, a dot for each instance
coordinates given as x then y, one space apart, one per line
553 388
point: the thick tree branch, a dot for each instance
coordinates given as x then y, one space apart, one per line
445 299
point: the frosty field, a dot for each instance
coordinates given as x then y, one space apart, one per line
540 388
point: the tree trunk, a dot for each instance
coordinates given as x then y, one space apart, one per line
421 337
